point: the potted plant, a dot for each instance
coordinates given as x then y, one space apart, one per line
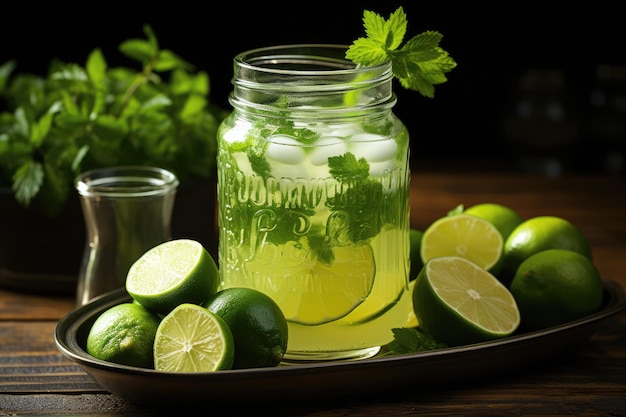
77 118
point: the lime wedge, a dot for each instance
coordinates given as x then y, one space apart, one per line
193 339
466 236
172 273
460 303
312 292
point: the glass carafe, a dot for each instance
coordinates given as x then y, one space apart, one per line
127 210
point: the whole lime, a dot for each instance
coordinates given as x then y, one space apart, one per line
556 286
124 334
537 234
258 326
504 218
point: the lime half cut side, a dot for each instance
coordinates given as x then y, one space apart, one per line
172 273
193 339
313 292
466 236
460 303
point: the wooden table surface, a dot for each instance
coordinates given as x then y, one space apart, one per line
35 379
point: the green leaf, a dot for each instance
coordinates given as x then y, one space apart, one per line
347 168
157 102
70 75
411 340
78 159
40 130
168 60
5 72
27 181
14 150
110 128
70 105
419 65
72 121
55 189
367 52
358 192
22 125
192 106
181 82
259 164
387 33
97 67
151 36
138 49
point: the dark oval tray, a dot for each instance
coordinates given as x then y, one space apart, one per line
315 381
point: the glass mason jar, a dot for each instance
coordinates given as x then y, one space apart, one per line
313 197
127 210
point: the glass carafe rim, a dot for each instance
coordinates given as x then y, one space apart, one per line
126 181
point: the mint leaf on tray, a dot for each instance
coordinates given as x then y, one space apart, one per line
411 340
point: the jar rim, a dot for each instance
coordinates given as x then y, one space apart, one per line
322 59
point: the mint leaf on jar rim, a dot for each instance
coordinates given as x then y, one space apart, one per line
419 64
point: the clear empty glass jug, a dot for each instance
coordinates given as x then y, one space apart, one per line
127 210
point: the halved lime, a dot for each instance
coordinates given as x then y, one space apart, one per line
172 273
466 236
314 292
458 303
504 218
193 339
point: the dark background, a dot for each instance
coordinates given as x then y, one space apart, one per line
494 45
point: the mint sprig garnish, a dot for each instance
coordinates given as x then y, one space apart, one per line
419 64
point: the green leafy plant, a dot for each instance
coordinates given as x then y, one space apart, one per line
84 117
419 64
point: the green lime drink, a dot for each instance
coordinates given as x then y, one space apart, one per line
313 191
